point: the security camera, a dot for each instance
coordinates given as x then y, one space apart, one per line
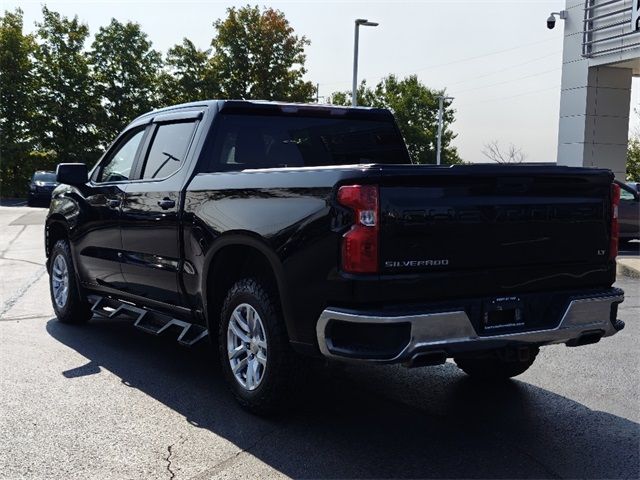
551 21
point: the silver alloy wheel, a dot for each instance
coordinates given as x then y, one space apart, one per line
60 281
247 346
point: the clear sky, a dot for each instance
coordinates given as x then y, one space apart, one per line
497 58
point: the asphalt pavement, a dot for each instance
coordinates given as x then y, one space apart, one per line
107 401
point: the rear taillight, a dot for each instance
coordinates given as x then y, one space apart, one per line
615 228
360 243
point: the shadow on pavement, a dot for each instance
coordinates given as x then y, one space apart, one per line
374 422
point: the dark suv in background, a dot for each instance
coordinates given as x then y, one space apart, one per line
41 186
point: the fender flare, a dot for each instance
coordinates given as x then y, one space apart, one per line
59 219
54 219
252 240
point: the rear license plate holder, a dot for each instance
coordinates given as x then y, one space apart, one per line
503 313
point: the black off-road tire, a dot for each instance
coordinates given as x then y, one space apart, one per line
76 309
283 367
497 366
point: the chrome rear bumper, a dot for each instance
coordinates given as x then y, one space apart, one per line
452 332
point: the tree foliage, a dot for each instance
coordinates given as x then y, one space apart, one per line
126 71
633 160
60 101
17 84
415 107
258 56
66 103
188 75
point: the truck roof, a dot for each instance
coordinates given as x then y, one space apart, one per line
264 106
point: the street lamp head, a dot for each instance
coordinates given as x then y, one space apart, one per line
356 31
366 23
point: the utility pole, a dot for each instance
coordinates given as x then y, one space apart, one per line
354 87
441 100
317 93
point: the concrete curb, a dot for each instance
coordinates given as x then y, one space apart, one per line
629 266
627 270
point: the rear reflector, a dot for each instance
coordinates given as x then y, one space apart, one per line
360 243
615 227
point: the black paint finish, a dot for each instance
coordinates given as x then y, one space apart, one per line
91 214
150 241
538 230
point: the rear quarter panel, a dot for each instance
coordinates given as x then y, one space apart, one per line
288 215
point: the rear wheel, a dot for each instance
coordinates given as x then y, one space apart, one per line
68 302
255 354
498 365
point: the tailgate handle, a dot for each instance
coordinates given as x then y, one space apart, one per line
166 203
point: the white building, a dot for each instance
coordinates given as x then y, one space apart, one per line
601 54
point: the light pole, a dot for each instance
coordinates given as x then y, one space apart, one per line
354 89
441 100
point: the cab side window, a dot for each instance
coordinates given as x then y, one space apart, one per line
168 149
118 167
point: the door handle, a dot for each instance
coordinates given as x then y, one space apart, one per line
113 202
166 203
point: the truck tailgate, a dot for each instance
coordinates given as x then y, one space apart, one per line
488 217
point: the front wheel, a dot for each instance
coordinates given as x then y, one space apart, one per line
498 365
256 357
68 302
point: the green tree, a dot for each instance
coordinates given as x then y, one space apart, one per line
187 76
17 83
415 107
66 103
633 160
258 56
126 71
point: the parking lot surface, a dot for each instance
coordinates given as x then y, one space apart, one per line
107 401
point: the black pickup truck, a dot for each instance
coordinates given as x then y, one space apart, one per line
283 231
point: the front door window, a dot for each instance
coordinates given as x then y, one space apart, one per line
118 167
